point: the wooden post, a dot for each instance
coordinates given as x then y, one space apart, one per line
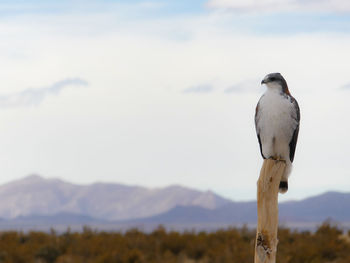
266 231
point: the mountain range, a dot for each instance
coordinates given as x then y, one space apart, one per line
34 202
35 195
328 206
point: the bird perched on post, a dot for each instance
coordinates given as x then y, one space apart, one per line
277 118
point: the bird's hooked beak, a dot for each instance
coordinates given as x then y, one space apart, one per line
265 80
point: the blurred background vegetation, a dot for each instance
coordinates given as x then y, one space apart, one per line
328 244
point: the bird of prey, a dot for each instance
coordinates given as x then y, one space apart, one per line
277 119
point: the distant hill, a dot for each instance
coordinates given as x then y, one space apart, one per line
38 203
331 205
240 212
35 195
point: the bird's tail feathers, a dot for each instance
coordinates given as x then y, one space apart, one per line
283 187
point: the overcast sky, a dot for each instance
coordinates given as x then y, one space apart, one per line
156 92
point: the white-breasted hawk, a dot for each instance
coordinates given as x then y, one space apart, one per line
277 119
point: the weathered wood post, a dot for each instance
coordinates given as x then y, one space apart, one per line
267 198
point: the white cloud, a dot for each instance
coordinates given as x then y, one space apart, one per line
282 5
205 88
345 87
35 96
243 86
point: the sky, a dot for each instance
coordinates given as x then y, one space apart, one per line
155 93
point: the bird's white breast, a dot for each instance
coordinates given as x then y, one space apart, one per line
275 123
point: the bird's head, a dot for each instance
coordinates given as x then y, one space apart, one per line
275 81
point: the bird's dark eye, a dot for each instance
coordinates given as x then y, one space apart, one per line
272 79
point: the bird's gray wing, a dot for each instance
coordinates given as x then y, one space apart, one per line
257 130
296 117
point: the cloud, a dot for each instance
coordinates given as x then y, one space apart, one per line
345 87
35 96
341 6
205 88
234 89
244 86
